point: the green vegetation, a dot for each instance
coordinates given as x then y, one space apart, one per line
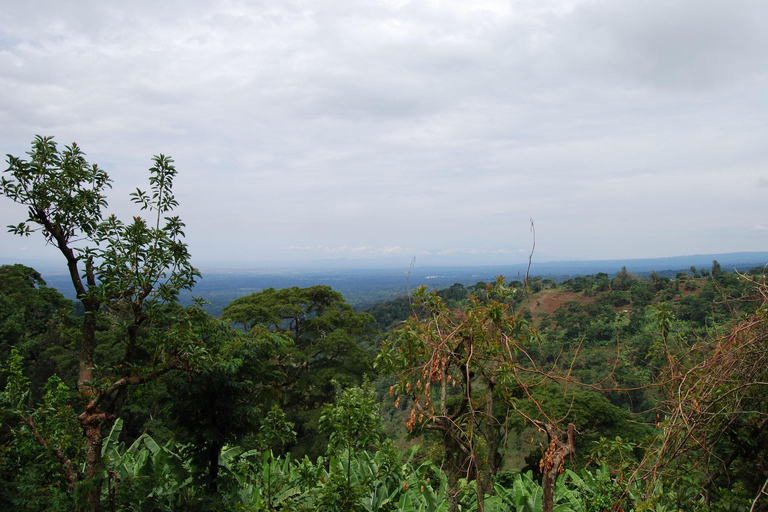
326 351
594 393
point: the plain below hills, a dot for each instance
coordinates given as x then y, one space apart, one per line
364 287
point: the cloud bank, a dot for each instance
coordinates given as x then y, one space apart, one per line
390 129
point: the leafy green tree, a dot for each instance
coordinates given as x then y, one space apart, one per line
227 399
656 283
36 319
623 280
39 443
640 295
602 282
354 424
325 331
353 420
27 305
128 271
454 294
717 270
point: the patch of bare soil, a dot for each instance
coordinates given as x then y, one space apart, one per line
547 301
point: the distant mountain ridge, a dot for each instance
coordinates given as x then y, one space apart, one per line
728 261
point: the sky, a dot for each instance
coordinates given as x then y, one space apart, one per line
369 132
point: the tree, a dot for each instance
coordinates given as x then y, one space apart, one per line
227 399
354 425
126 271
460 372
717 270
656 283
353 420
34 443
28 310
623 280
325 331
714 434
602 282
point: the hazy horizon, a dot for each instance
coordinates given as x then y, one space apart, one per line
52 266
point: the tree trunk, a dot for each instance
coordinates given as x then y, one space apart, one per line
452 491
490 465
93 421
552 463
480 495
453 470
87 350
213 468
548 490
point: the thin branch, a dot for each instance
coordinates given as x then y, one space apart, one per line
140 379
530 256
69 468
763 492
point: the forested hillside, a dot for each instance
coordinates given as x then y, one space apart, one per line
598 392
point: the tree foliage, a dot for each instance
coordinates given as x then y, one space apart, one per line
32 317
325 331
450 367
127 271
714 427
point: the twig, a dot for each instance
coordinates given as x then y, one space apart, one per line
763 491
530 256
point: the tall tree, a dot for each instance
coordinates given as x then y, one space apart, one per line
26 306
229 398
325 331
36 320
459 369
129 271
623 280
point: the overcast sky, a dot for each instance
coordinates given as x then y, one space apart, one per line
306 131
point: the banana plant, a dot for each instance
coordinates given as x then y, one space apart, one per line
525 495
146 459
265 482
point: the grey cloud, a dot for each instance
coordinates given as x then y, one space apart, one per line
412 124
683 46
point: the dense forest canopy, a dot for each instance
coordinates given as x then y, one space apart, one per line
588 393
